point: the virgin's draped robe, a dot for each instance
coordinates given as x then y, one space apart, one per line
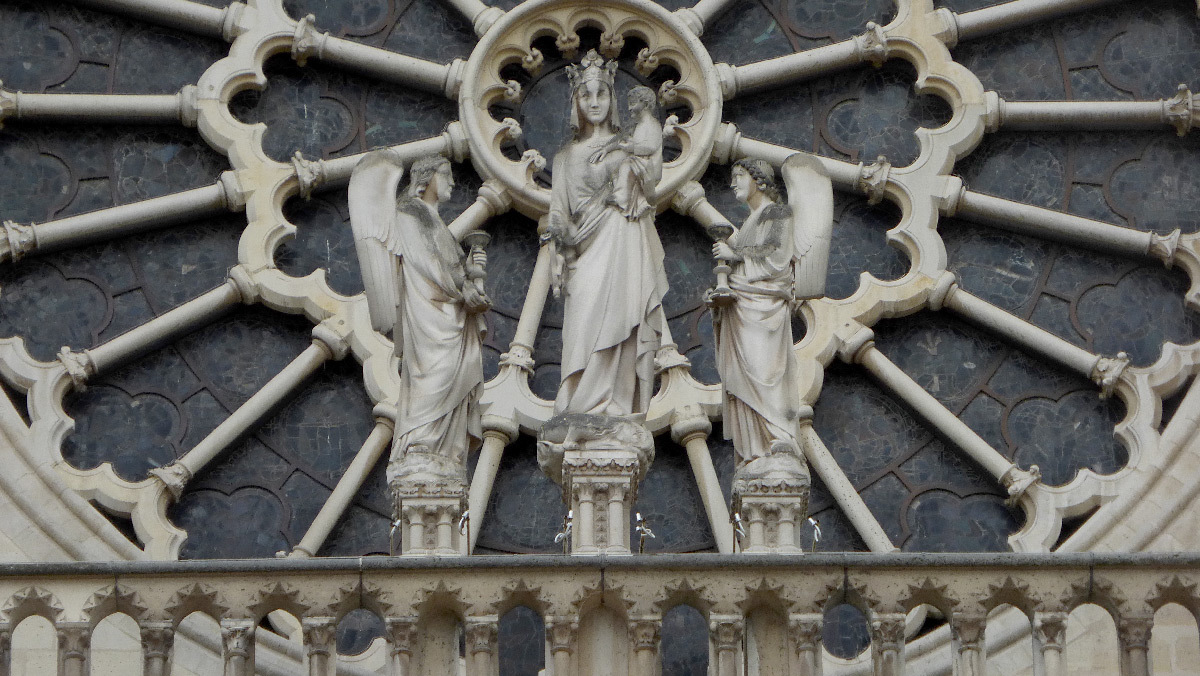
614 283
754 338
442 372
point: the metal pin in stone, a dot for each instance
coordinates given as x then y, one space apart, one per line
643 532
739 529
564 535
816 526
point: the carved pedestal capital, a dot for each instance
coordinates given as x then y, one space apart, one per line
430 513
1107 373
770 495
598 460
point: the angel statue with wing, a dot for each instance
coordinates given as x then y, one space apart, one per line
778 259
423 288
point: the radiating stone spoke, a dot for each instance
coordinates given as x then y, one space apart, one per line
480 15
843 492
782 71
1017 14
858 347
316 175
1104 371
1178 112
1061 226
186 15
101 108
327 344
731 145
700 16
389 66
350 484
165 328
127 219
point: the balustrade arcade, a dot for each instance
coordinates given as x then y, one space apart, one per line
765 613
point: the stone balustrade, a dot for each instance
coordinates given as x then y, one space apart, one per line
764 611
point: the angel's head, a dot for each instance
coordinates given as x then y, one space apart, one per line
750 176
431 179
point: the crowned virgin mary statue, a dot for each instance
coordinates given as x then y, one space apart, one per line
612 272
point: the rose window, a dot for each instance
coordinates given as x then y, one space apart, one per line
1008 329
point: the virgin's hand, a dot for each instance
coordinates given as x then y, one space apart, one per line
723 251
597 156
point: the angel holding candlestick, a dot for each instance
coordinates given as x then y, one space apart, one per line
778 259
423 288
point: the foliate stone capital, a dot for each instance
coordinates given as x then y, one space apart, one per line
1018 481
402 634
1051 628
1180 110
887 631
320 636
1107 373
1134 632
1163 247
560 632
968 629
873 179
174 476
309 174
727 633
237 637
74 639
157 639
645 633
19 239
481 637
79 366
872 45
806 631
308 41
518 357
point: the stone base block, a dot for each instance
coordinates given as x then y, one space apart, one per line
770 496
598 460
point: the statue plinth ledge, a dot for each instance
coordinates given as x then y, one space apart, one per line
770 494
598 460
430 498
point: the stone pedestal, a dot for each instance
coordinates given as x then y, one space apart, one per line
770 494
429 502
598 461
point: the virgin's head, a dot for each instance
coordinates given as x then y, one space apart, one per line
593 96
754 176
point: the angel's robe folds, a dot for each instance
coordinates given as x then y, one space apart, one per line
754 337
614 285
442 373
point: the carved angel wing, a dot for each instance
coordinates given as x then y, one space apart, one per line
373 187
810 197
